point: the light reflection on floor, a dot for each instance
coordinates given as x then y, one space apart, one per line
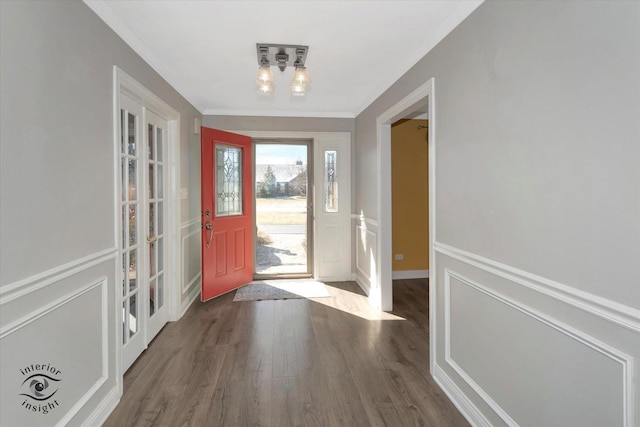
352 303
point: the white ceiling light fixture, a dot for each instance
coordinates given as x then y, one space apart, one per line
283 56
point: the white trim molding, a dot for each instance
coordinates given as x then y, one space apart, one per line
189 223
102 284
421 96
409 274
369 221
626 361
186 284
366 240
611 311
459 399
189 289
104 409
186 302
38 281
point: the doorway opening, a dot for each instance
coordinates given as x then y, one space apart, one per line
283 209
410 196
411 104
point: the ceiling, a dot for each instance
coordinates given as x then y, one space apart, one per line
207 49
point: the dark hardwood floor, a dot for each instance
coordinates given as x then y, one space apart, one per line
322 362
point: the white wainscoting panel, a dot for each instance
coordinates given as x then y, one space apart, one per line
366 251
62 325
523 355
191 271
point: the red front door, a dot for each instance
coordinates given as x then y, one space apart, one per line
227 212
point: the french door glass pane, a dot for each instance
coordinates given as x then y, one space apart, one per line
125 336
123 169
160 218
160 298
159 181
123 132
132 135
133 179
151 187
159 140
133 315
125 276
133 270
124 226
152 259
152 219
160 248
151 145
152 295
132 225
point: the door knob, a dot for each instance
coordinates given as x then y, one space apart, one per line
209 228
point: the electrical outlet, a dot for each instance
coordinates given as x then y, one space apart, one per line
399 257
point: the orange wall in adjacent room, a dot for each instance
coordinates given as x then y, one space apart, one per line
410 194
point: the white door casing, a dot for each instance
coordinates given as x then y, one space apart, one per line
382 291
423 95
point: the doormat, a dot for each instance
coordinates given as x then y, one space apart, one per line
261 290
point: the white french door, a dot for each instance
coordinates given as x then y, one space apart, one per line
156 242
143 148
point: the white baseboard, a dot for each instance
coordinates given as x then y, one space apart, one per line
459 399
189 300
104 409
363 283
410 274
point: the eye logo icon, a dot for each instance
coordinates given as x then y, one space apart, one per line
39 387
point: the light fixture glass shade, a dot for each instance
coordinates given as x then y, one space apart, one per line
301 75
265 88
298 88
264 75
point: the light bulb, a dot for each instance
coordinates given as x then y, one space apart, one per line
265 88
264 75
301 75
298 88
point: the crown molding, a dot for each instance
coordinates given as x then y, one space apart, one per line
113 21
458 15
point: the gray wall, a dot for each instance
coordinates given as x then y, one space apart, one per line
57 192
287 124
56 129
538 173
